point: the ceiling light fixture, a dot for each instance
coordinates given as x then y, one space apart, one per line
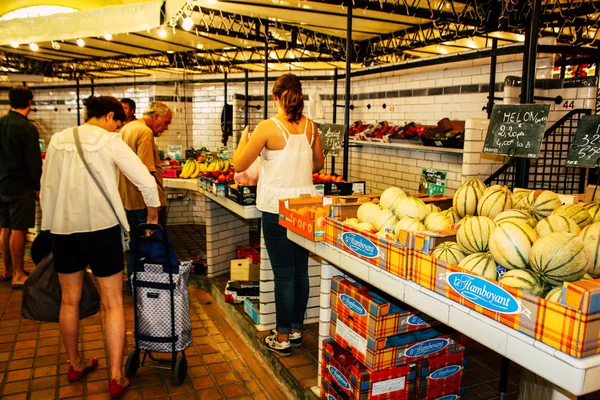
212 1
162 32
200 46
80 42
55 45
34 47
108 36
14 44
521 38
188 23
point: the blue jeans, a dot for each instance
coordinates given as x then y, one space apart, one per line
290 270
134 218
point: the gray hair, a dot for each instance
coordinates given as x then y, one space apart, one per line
158 108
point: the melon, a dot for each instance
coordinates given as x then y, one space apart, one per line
541 203
464 219
436 221
408 224
559 257
591 240
473 235
586 277
556 223
523 279
478 183
350 222
365 227
593 208
515 215
411 207
577 213
493 201
481 264
465 200
555 294
449 252
452 215
432 208
384 219
510 244
390 197
367 211
519 197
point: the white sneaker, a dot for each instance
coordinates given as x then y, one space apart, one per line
282 348
295 338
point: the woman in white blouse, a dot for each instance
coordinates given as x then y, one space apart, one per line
86 230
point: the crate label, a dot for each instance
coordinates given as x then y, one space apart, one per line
360 245
353 305
449 397
445 372
391 385
415 320
330 397
339 377
483 293
426 348
353 338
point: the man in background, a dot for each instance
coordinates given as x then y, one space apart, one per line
129 107
20 173
140 136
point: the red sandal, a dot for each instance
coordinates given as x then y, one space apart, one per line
75 375
116 390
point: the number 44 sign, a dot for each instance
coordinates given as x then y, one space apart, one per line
585 149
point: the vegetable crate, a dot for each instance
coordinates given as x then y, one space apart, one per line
305 215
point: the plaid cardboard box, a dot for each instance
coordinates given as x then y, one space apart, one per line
571 326
451 391
427 241
382 253
349 379
371 314
440 371
398 349
306 215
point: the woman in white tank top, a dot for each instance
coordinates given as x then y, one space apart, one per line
291 151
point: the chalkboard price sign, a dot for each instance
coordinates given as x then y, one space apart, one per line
585 149
516 129
332 138
433 181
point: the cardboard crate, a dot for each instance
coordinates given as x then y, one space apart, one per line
370 314
452 391
243 270
571 327
440 371
311 224
427 241
252 308
348 378
251 252
398 349
244 195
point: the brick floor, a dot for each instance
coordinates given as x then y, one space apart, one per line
33 363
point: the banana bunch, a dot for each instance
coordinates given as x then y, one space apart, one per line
191 169
218 165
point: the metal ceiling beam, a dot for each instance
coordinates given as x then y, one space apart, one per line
568 10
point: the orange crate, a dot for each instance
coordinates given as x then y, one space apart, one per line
310 225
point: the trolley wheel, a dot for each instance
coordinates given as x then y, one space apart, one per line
180 371
132 364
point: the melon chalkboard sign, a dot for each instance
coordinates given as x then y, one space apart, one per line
585 149
332 138
516 129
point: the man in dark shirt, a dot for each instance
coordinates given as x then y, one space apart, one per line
20 173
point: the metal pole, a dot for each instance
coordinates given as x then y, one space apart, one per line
246 98
492 91
92 86
266 101
225 129
563 72
77 91
349 58
335 93
528 84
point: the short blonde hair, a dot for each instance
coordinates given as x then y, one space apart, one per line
158 108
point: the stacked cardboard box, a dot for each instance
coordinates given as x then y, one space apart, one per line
383 349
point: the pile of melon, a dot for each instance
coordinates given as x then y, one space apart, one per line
539 242
395 212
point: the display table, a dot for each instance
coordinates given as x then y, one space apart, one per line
577 376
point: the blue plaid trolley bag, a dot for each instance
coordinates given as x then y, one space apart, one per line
161 304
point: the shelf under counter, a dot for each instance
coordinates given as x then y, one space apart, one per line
408 146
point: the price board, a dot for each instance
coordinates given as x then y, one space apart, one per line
585 149
516 129
332 138
175 151
433 181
